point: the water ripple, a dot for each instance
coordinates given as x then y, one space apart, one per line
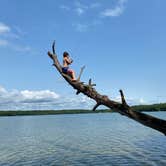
97 139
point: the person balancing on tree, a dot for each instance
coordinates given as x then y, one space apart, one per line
66 62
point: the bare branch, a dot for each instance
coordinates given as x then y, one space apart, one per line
53 47
55 60
78 92
95 107
82 69
90 83
122 97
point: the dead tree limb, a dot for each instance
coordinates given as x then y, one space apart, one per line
95 107
82 69
122 108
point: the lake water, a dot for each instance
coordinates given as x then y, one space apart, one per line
81 139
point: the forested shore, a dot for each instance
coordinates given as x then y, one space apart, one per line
141 108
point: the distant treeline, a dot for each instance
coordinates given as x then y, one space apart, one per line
153 107
48 112
145 108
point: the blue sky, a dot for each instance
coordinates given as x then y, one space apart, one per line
121 42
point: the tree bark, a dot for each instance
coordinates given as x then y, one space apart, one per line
122 108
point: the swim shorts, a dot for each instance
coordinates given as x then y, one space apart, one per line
65 69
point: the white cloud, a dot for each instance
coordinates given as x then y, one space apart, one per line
50 100
4 28
80 8
24 96
7 33
2 90
39 95
41 100
95 11
116 11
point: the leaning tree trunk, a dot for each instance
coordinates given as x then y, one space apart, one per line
122 108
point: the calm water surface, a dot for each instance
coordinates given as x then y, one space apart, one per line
82 139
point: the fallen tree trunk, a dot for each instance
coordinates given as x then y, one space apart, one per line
122 108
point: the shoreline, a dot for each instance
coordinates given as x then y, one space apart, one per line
58 112
49 112
139 108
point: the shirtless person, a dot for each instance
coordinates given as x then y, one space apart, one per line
66 62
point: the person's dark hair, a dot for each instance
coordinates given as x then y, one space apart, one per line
65 54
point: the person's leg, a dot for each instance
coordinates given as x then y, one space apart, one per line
72 74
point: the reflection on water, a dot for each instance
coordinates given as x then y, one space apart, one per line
82 139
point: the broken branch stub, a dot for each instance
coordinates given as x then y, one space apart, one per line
82 69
